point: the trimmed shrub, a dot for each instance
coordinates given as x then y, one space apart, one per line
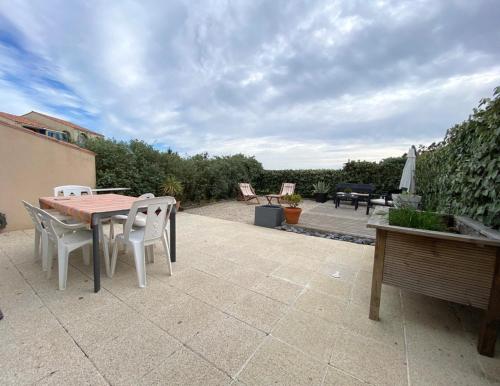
461 174
385 175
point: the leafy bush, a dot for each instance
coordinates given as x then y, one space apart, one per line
3 221
293 200
411 218
385 175
461 174
142 168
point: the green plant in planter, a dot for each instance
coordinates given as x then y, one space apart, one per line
347 190
293 200
173 187
321 187
3 221
412 218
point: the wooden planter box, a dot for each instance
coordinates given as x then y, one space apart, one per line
461 268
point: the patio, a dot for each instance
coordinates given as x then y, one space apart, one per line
323 217
245 305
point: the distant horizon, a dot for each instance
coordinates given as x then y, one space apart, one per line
302 85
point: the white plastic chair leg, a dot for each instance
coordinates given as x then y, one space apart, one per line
37 244
110 266
150 253
49 258
45 251
62 260
140 264
86 254
167 253
111 230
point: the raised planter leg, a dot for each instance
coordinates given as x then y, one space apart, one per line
378 272
488 330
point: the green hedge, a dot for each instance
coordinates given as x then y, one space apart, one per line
461 174
385 175
142 168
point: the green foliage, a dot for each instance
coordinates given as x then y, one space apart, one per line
411 218
461 174
293 200
348 190
172 187
142 168
385 175
321 187
3 221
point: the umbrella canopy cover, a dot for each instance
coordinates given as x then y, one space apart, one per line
408 177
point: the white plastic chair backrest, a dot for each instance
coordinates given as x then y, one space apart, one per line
287 188
37 221
72 190
54 227
146 195
246 189
157 211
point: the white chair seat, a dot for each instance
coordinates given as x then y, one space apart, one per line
76 238
140 219
135 236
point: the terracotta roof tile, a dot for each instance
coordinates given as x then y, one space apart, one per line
22 120
67 123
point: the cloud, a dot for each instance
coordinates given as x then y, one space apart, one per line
298 84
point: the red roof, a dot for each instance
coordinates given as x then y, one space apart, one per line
67 123
22 120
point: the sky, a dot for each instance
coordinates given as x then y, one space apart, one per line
298 84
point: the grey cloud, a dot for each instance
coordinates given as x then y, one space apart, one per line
192 75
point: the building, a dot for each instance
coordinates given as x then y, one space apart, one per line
50 126
74 133
32 164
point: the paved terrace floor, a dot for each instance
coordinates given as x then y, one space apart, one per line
314 215
245 306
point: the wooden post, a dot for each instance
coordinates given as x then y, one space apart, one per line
488 330
378 273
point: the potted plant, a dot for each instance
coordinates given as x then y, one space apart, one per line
173 187
320 191
3 221
292 211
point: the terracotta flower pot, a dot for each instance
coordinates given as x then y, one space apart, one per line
177 205
292 215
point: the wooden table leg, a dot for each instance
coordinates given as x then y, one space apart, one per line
378 273
489 325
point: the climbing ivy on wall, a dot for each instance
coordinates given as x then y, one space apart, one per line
461 174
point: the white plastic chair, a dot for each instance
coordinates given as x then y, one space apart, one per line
72 190
140 219
141 240
78 190
67 237
40 232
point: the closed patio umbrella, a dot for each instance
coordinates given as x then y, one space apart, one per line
408 177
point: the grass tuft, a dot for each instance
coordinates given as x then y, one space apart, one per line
411 218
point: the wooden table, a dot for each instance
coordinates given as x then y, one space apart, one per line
93 208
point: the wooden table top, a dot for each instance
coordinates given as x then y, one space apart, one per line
83 207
